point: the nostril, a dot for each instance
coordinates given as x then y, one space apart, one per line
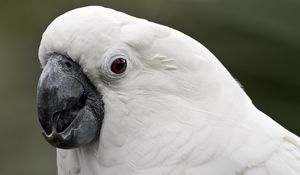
68 64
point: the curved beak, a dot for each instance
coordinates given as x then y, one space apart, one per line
70 109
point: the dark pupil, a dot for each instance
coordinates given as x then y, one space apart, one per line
119 66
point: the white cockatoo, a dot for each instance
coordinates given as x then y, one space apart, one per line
120 95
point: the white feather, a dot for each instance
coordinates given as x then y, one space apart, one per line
177 110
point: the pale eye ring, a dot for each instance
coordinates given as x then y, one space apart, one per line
118 65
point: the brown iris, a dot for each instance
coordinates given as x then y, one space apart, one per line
118 66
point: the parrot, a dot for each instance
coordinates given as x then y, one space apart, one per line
120 95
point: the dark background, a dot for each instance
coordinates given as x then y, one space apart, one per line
257 40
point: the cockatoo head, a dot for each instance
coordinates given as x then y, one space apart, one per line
112 76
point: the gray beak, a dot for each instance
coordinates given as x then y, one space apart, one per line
70 109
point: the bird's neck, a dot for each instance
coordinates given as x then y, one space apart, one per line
142 144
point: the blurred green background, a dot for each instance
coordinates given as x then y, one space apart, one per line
257 40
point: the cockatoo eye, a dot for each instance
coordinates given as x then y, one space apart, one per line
118 65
